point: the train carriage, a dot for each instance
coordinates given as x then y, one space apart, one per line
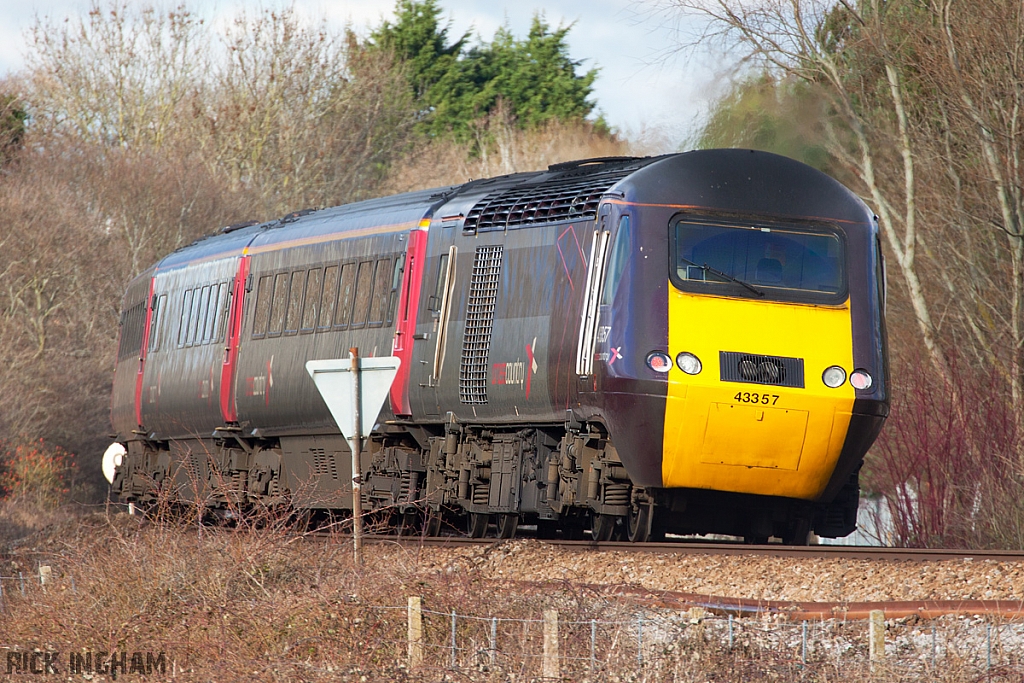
691 343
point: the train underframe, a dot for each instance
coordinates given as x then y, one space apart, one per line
567 480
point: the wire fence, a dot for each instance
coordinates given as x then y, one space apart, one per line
649 642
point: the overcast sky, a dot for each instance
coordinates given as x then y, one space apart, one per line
638 90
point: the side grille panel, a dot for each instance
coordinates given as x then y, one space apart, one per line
752 368
476 343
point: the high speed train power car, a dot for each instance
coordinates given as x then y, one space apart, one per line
688 343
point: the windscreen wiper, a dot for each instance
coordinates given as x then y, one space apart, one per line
709 269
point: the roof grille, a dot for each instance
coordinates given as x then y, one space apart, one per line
476 343
573 198
755 369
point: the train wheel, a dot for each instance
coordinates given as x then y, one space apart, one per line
602 527
476 524
432 524
639 522
408 523
507 525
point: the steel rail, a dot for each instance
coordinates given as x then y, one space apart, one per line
701 548
797 610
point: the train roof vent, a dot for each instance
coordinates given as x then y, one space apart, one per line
566 198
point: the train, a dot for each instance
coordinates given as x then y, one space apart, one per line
611 348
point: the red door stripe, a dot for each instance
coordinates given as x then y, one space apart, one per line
408 303
228 409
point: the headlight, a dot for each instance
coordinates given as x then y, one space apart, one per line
860 379
659 361
688 363
833 376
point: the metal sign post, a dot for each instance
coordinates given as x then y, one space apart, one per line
354 390
357 449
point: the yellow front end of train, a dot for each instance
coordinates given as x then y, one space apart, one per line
739 423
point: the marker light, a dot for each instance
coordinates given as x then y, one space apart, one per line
860 379
688 363
659 361
833 376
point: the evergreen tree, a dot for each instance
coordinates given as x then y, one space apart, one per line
534 77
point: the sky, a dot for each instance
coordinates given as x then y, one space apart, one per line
642 89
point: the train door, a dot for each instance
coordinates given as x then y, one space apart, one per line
236 293
411 271
434 325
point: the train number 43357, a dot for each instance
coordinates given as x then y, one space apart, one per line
754 397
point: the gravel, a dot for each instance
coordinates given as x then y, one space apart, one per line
738 576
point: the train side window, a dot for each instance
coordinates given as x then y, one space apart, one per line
396 288
263 297
364 292
199 308
227 289
210 328
442 282
279 305
133 323
156 322
381 293
348 286
186 313
617 262
330 304
311 302
291 323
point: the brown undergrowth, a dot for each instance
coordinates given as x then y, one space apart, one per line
266 601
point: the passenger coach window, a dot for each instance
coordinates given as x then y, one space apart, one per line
348 286
381 293
396 287
261 318
210 323
330 305
279 306
364 290
311 301
199 309
186 313
298 286
759 261
225 310
159 312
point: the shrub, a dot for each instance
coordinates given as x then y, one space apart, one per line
36 471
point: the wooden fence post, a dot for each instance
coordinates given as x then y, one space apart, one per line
876 637
550 668
415 633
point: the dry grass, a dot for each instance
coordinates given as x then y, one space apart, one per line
265 602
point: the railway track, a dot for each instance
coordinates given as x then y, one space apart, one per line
701 548
789 610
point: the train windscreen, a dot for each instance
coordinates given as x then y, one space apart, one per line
759 261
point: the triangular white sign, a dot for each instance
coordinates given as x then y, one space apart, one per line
335 381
